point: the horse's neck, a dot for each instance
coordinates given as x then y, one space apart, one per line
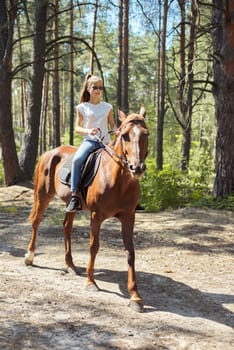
112 170
116 159
118 148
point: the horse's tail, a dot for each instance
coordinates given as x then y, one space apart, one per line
44 189
31 215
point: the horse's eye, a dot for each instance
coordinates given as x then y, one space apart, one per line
126 137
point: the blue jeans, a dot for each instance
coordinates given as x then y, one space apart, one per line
86 147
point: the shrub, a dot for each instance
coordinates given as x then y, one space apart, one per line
170 188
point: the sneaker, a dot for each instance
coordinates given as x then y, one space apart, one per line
72 205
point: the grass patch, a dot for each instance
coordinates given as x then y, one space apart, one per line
8 209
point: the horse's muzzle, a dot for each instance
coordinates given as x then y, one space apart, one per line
137 170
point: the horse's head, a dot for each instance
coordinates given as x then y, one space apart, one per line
134 136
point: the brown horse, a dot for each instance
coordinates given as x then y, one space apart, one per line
114 192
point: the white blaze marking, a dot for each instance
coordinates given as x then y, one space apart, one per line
137 150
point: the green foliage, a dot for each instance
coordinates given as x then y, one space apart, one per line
226 202
170 188
8 209
77 139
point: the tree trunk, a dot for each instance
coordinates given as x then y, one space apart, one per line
185 104
185 148
72 111
29 151
12 172
188 108
56 91
120 56
161 88
125 58
93 37
22 82
43 124
223 42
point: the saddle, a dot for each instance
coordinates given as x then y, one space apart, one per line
88 172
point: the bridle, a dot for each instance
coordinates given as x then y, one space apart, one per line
109 150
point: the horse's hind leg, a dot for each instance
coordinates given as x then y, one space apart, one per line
94 247
67 228
41 202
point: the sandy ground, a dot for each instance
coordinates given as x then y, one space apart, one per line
185 269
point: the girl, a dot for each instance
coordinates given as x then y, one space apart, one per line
93 116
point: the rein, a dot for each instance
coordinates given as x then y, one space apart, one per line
110 150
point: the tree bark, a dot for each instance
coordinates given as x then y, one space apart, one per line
12 172
125 57
120 56
56 91
71 61
44 112
93 37
29 150
161 88
185 89
22 82
187 109
223 43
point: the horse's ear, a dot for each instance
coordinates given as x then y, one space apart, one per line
143 111
122 116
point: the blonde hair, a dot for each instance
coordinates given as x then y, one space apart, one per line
89 80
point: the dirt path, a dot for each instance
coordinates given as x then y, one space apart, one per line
184 262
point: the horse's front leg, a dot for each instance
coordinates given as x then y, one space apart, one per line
67 229
127 222
95 225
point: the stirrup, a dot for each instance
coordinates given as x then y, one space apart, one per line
73 205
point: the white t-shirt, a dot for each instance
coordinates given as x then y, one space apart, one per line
95 116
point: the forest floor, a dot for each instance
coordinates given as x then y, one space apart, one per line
185 270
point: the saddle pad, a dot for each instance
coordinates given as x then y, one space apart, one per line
89 170
65 171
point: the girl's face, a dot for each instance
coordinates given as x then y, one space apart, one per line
95 90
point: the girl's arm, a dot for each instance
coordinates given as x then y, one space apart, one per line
79 126
111 121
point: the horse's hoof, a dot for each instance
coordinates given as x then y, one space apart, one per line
137 306
92 287
29 256
73 270
28 262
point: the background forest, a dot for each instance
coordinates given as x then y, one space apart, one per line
159 53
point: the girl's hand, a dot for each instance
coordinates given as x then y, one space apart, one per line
93 131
